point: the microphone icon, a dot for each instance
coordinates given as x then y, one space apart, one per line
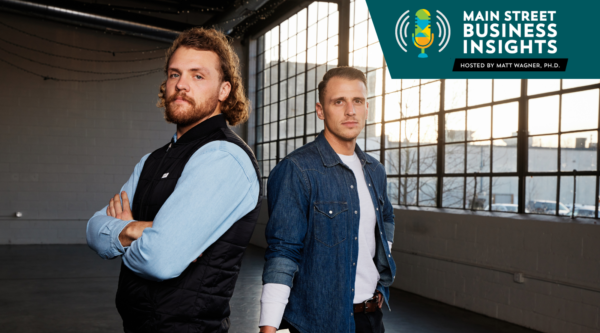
422 38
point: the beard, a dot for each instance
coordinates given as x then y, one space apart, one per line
185 115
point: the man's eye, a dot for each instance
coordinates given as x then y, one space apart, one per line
174 75
198 77
338 102
358 101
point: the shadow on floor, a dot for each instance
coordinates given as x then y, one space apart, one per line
68 288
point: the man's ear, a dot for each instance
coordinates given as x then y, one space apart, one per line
224 91
320 112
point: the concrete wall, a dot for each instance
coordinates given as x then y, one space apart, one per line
468 260
67 147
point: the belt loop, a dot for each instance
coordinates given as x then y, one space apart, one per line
365 309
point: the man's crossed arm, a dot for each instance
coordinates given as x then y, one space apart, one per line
218 186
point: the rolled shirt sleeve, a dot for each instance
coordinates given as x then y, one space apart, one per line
288 190
102 232
218 186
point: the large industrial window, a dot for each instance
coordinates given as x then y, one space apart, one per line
291 60
520 146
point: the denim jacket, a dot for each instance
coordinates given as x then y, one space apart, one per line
312 235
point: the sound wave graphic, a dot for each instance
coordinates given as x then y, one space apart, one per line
442 23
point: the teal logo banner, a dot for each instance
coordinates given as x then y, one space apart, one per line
477 39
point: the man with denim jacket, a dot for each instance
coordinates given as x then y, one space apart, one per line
331 226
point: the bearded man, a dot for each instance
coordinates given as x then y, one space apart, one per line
182 221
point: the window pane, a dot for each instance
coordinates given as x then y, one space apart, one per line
455 158
283 133
392 162
505 155
585 193
392 106
361 11
506 89
455 126
375 83
543 115
478 157
453 192
578 151
478 199
430 97
480 92
409 160
428 130
578 83
393 184
427 191
535 87
373 136
282 150
506 120
408 83
333 25
505 194
543 153
299 125
374 154
360 35
428 159
479 124
408 191
410 102
409 132
375 110
267 114
392 135
375 56
391 84
360 59
579 111
541 196
456 94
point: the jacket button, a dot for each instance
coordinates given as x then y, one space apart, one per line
351 313
376 208
355 212
355 238
389 255
353 264
351 186
330 212
369 184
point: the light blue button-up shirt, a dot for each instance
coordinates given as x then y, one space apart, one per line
190 220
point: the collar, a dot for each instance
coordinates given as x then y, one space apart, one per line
201 130
330 157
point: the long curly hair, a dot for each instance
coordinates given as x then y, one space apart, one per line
235 107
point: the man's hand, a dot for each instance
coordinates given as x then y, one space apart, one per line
133 231
379 299
267 329
116 210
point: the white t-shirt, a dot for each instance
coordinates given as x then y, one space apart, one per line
275 296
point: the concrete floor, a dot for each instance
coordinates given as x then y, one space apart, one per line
67 288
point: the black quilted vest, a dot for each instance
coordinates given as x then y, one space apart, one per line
197 300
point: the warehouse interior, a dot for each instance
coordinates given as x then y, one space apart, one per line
495 183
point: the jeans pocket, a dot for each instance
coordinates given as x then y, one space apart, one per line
330 221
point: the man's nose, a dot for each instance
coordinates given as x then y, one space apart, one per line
182 84
350 110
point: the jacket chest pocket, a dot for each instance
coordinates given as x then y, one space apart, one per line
330 222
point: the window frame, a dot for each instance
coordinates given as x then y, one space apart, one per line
522 137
